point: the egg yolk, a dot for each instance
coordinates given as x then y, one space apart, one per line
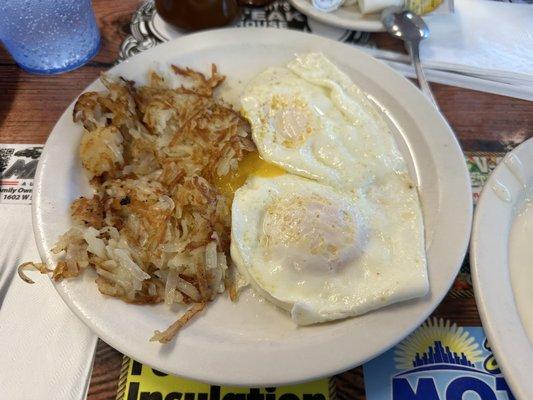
291 121
251 165
292 127
310 233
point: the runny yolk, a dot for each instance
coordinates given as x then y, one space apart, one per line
251 165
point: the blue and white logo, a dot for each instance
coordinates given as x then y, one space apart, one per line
439 361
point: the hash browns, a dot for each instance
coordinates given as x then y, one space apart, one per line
156 229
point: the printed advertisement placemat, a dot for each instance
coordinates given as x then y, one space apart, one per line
18 163
439 361
139 382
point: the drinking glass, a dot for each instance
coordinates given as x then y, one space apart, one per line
49 36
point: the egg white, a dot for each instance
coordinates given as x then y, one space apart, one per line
350 237
344 257
310 119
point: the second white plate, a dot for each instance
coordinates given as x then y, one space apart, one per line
501 270
349 17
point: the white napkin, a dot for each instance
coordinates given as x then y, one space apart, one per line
483 38
45 351
402 64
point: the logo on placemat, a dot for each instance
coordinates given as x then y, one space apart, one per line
18 163
438 343
443 361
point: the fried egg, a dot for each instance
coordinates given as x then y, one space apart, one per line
310 119
341 232
324 254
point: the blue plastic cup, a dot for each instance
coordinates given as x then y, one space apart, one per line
49 36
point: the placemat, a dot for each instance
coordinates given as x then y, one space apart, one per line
145 32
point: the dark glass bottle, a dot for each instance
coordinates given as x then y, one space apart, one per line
254 3
197 14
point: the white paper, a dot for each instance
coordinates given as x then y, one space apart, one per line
46 352
485 38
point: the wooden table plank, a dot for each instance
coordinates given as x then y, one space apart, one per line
105 373
31 104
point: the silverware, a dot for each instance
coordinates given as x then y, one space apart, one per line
412 29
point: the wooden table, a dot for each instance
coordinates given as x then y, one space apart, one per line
31 104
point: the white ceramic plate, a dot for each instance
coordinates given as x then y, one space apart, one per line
251 342
348 17
499 253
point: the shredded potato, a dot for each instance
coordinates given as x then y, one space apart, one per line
41 267
172 330
157 229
